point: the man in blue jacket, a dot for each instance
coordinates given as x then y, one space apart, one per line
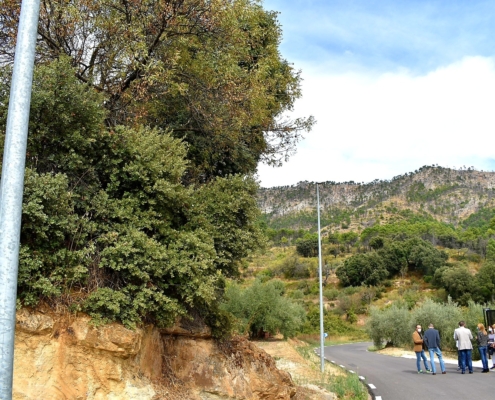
432 341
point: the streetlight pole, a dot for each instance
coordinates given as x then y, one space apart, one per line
320 275
12 185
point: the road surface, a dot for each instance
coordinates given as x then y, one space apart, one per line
396 378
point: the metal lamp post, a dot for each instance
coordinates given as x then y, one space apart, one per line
12 185
320 276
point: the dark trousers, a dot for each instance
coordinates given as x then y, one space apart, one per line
466 360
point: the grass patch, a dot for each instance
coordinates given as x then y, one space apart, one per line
348 387
345 385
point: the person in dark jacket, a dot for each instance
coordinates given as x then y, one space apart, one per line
432 341
482 339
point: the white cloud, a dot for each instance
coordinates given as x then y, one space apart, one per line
378 126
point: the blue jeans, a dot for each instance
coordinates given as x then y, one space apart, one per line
466 360
438 352
484 356
421 355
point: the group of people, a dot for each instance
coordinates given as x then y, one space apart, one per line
430 341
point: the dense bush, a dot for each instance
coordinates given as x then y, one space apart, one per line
262 308
391 326
109 228
394 325
293 267
333 325
307 246
393 257
464 286
366 269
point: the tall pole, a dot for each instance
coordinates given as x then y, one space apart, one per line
320 275
12 185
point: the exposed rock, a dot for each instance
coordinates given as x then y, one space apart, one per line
60 359
33 322
233 370
114 338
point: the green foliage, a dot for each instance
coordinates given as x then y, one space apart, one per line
348 387
331 294
332 324
292 267
109 228
458 282
425 257
444 316
391 326
394 325
367 269
262 307
307 246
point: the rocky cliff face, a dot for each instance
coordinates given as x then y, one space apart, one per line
446 194
62 357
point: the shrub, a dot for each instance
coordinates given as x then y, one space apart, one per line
392 326
367 269
294 268
307 246
331 294
262 308
445 318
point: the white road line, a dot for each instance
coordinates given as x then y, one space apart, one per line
341 366
371 386
362 378
378 398
351 371
333 362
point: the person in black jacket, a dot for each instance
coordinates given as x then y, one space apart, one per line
432 341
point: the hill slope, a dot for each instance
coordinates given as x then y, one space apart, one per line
444 194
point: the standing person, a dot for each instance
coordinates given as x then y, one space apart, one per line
432 341
491 342
482 340
419 349
464 336
458 354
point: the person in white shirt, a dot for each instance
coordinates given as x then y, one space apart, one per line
464 336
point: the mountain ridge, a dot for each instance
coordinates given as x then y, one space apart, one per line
445 194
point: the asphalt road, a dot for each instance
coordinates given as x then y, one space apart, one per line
396 378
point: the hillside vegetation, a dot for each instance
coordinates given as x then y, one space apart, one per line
147 122
420 247
444 194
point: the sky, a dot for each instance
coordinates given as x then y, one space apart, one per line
393 85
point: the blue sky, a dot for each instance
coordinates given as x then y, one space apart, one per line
394 85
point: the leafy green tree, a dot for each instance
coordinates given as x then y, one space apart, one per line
394 257
362 269
424 256
376 243
109 228
208 72
307 246
262 308
458 282
490 250
391 326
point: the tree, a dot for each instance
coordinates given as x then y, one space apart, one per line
307 246
458 282
263 308
109 228
209 72
424 256
490 250
367 269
